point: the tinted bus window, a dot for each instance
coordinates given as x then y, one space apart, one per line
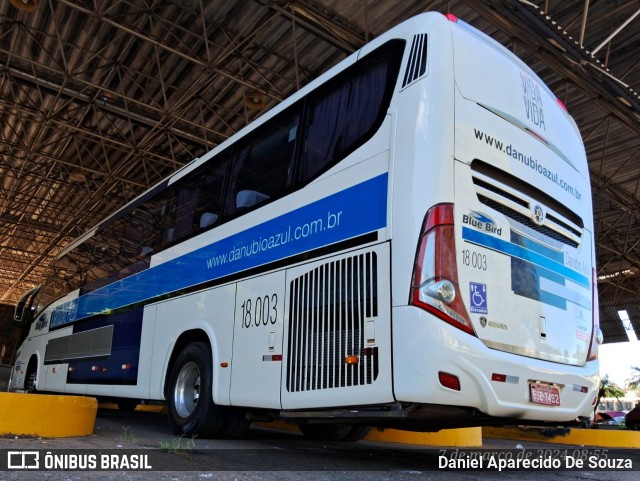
346 112
263 163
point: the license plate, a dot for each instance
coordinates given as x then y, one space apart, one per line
544 394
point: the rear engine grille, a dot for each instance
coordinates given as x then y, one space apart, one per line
555 220
501 191
517 216
329 307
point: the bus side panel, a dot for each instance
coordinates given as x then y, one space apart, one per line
257 341
211 312
124 372
423 155
55 375
337 340
102 351
102 356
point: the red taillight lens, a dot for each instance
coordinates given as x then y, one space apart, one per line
450 381
498 377
595 316
562 105
435 274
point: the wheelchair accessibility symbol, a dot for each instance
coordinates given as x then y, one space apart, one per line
478 296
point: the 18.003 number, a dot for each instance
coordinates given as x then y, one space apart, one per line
474 259
260 311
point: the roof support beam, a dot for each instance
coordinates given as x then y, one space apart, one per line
159 44
615 32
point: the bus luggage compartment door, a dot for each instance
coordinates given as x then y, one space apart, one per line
257 341
337 332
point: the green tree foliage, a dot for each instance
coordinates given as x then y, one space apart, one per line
607 389
633 384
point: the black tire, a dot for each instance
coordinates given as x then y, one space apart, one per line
30 383
190 404
30 379
334 432
235 424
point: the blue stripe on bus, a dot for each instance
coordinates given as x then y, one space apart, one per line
535 246
344 215
527 255
526 278
121 365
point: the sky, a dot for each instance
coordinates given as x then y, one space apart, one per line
616 359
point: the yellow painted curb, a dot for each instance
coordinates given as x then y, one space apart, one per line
151 408
464 437
46 415
583 437
140 407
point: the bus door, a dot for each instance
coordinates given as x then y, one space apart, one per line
257 341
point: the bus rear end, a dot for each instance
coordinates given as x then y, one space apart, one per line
502 317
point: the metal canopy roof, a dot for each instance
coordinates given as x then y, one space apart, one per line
100 100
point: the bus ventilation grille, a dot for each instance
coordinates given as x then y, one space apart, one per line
328 309
557 229
417 65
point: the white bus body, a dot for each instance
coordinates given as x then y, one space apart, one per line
437 275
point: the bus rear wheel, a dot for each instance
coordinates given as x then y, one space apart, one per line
334 432
190 404
192 411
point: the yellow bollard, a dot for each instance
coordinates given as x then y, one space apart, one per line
46 415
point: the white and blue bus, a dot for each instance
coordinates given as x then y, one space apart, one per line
407 242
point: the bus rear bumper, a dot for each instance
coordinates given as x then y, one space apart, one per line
495 383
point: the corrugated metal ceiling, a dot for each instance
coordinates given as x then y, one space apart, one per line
100 100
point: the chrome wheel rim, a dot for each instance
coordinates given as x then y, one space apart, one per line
187 390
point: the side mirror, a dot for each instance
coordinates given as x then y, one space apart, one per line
17 316
23 307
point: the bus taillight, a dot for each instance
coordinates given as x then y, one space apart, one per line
434 285
562 105
596 333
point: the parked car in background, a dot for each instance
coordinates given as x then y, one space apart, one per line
616 414
603 418
619 419
632 419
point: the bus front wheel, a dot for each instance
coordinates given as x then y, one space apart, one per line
190 404
30 380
